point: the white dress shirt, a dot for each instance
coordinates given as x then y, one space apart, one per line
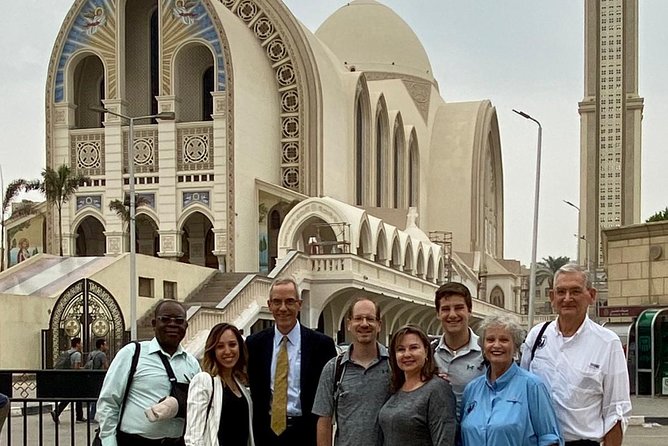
587 377
294 367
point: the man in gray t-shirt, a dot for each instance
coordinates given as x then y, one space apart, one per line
352 396
75 363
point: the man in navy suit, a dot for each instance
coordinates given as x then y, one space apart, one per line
308 351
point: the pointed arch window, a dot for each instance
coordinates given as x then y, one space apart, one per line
359 152
379 162
207 99
413 173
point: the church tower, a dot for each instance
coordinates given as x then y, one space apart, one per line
610 123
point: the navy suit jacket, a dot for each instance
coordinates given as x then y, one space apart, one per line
316 350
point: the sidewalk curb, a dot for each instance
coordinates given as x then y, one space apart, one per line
639 420
17 410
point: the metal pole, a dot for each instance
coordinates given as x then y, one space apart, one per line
133 249
534 241
131 178
579 236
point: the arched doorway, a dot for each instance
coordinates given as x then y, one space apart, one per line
148 240
90 238
86 310
197 241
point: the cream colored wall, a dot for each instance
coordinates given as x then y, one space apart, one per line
114 279
21 320
338 122
23 317
450 172
633 278
257 134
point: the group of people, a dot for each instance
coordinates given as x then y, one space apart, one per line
73 359
571 386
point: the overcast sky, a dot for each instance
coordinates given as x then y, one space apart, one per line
520 54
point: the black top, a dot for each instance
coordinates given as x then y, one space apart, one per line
233 430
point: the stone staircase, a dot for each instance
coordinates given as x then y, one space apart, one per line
215 290
209 295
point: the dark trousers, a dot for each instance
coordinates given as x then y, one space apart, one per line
582 443
123 439
78 407
296 433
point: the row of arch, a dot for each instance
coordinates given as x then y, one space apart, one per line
91 75
193 84
387 163
195 227
368 237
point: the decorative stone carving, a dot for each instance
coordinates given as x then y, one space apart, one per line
196 197
276 41
94 201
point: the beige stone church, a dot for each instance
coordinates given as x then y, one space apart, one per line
330 156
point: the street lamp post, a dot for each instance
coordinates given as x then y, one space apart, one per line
534 241
579 236
133 235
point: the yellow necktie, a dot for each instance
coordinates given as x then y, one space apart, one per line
279 404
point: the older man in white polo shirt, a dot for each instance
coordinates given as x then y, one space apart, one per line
582 363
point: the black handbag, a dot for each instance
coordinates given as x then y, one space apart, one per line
179 390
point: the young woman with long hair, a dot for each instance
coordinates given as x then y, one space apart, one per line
219 405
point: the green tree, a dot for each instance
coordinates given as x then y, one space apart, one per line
548 267
658 216
10 193
122 208
58 185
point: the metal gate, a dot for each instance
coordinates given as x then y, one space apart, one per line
86 310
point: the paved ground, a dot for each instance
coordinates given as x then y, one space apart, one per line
647 410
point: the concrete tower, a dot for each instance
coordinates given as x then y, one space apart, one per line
610 123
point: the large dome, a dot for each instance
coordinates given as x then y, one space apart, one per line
371 37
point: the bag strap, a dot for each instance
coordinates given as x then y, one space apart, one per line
131 375
168 369
537 340
208 408
339 370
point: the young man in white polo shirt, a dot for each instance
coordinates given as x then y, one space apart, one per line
582 363
457 353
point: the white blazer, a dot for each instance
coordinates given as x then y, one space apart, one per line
199 430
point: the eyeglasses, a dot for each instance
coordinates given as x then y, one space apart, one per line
276 303
178 320
369 319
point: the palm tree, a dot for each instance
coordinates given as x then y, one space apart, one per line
548 267
122 209
58 186
12 191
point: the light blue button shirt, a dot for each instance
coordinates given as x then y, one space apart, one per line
515 410
294 367
150 384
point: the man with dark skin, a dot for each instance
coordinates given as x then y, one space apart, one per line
150 384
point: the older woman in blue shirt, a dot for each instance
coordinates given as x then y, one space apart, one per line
508 405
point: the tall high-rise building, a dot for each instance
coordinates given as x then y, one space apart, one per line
610 123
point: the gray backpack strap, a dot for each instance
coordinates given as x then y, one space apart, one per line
339 369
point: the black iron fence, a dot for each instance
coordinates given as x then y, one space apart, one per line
35 393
